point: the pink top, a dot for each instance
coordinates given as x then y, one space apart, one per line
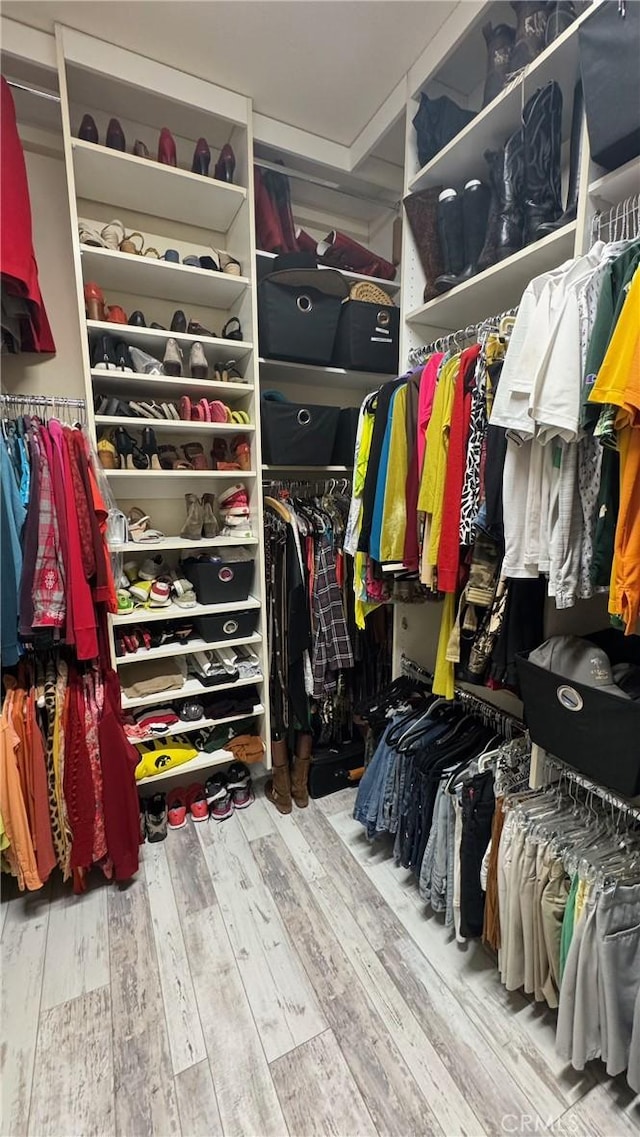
428 381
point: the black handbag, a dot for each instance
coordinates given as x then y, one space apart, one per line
335 768
609 42
436 122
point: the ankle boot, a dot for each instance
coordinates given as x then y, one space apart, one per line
499 41
475 213
575 158
451 234
278 787
192 528
505 224
542 128
300 770
422 214
209 519
530 32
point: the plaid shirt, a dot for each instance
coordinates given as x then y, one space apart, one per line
331 644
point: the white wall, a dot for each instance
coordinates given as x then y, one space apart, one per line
42 374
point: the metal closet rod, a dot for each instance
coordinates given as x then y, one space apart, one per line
43 400
622 220
509 725
604 794
34 91
471 330
324 184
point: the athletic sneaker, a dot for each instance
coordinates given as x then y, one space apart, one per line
197 802
219 797
177 808
239 785
156 818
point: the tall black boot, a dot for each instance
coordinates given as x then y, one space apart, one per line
575 158
451 233
475 212
530 32
499 41
542 129
505 226
559 17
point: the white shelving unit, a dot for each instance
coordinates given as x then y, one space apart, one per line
195 215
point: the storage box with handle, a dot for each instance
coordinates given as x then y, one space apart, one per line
219 581
297 434
609 42
298 313
368 332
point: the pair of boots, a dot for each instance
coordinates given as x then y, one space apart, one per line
510 49
287 782
201 520
462 228
275 227
525 177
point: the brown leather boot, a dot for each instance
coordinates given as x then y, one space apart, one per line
300 771
278 787
422 214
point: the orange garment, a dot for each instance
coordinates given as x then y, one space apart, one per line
20 854
102 515
618 382
43 840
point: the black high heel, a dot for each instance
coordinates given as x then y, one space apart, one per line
201 158
123 359
232 329
149 447
128 449
226 165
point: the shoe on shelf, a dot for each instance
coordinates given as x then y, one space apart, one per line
194 453
94 301
114 314
179 322
196 329
123 357
219 797
145 364
103 354
192 528
239 785
131 456
232 329
177 808
172 362
149 446
210 524
88 130
167 148
115 136
198 365
201 158
226 165
156 818
197 802
137 320
140 150
209 263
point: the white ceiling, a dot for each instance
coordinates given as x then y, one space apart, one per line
325 66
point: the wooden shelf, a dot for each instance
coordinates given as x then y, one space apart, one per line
617 185
201 724
195 645
166 386
147 276
391 286
497 288
281 370
181 544
192 687
461 158
153 484
175 426
154 341
124 181
175 612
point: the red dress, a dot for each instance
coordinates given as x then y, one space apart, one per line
17 259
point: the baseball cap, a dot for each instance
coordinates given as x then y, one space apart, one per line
579 661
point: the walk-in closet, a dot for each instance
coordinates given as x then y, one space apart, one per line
319 777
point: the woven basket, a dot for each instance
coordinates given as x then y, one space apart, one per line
369 293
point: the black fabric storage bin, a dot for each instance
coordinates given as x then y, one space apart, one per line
368 337
296 322
609 42
332 768
591 730
297 435
219 582
345 443
230 626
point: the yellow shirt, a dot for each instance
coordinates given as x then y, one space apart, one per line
434 470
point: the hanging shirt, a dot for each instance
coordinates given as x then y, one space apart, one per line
381 483
394 510
449 548
435 466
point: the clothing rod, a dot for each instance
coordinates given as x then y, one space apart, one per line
324 184
471 330
43 400
34 91
509 723
593 787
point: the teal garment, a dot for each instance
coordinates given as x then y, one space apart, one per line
12 518
568 921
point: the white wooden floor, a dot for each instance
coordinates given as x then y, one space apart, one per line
273 976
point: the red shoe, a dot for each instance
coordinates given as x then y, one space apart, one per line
167 148
177 808
197 802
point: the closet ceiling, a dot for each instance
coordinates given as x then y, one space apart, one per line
325 66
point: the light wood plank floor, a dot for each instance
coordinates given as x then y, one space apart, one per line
272 976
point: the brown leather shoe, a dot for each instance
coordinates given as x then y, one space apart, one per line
300 770
196 329
278 787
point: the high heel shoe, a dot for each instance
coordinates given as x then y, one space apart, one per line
88 130
94 301
123 359
115 136
131 456
103 354
140 150
201 158
198 365
167 148
149 446
172 362
226 164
